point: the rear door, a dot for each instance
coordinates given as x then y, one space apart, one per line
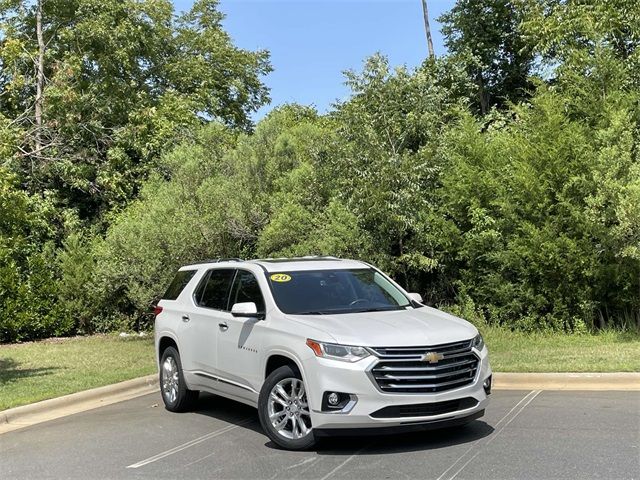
239 342
200 326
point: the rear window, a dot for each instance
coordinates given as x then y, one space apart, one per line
179 282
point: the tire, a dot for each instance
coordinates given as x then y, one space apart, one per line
175 394
296 419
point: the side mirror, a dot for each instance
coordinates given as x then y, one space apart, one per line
245 309
416 297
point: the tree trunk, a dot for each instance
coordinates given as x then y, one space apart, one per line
39 79
427 28
482 95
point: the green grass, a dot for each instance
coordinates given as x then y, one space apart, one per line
609 351
35 371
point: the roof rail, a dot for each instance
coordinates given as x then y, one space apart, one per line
218 260
296 259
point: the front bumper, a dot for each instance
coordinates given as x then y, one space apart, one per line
324 375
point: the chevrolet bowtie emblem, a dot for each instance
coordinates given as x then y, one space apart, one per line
432 357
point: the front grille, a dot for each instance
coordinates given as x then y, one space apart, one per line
425 409
403 370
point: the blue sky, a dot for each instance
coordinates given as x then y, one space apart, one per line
313 41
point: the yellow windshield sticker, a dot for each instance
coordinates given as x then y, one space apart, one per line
280 277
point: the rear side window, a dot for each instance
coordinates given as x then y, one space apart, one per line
177 285
213 292
246 289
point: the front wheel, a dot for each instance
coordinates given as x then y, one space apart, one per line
283 409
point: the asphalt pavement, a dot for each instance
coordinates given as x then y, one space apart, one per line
524 434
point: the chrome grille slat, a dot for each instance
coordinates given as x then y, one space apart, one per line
457 368
386 376
422 352
385 351
426 368
418 357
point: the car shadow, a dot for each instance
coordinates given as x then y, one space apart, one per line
414 441
10 371
228 411
246 417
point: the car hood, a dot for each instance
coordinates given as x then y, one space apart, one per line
423 326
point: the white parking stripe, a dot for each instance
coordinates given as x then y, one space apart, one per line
492 438
191 443
330 474
526 400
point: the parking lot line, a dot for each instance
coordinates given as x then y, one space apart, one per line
191 443
522 404
330 474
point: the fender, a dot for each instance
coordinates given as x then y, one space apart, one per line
159 336
283 353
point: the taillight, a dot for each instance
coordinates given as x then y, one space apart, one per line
156 310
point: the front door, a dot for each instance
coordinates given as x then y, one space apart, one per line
239 340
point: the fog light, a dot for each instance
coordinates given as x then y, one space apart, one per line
487 385
336 401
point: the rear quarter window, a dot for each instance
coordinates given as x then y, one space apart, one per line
177 285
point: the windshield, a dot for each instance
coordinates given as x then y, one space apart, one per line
317 292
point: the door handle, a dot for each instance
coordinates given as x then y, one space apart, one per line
185 318
223 326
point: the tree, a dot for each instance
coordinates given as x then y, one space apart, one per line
486 37
543 207
28 283
386 164
118 81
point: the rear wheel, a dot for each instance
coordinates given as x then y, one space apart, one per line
283 409
175 394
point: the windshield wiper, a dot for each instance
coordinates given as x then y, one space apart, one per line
312 312
377 309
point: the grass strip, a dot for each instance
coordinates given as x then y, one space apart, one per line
608 351
35 371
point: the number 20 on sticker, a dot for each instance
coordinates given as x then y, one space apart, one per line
280 277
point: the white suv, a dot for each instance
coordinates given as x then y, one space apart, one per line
319 345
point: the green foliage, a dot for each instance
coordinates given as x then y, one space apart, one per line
526 215
77 271
126 79
536 233
386 165
174 222
486 38
29 306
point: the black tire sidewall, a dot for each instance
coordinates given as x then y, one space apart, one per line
277 375
181 401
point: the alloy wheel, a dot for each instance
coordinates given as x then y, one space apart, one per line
288 409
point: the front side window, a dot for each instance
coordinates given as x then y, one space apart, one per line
246 289
213 292
335 291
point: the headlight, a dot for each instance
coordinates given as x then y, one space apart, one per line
478 342
346 353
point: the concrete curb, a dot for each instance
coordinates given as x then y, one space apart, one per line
20 417
622 381
39 412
